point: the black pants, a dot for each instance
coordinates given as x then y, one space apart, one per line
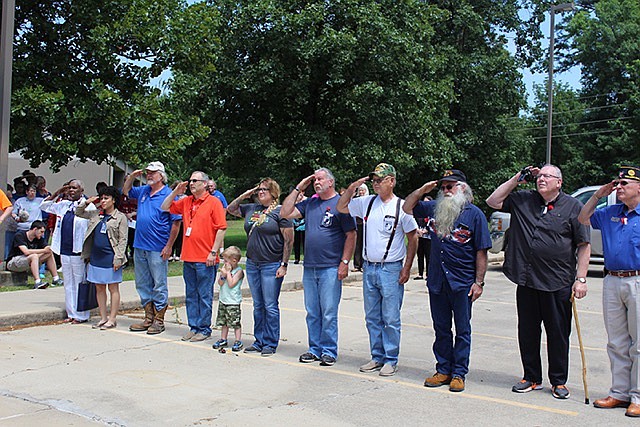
357 254
298 244
553 309
424 250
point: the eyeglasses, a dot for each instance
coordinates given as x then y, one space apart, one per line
622 183
449 186
196 180
262 189
546 176
378 180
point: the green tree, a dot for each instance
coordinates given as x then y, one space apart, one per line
81 82
604 41
289 86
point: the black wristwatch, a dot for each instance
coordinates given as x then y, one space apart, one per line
284 264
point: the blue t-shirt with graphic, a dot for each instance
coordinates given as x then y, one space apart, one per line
325 231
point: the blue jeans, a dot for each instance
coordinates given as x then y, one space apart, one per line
151 278
382 302
198 281
265 291
8 242
322 292
451 358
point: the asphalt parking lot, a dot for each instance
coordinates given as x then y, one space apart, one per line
64 374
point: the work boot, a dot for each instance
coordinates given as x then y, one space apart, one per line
158 322
149 313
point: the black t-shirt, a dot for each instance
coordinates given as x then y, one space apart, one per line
543 240
20 239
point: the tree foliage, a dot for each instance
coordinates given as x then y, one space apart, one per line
81 82
604 41
290 86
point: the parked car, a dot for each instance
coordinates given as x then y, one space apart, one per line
499 225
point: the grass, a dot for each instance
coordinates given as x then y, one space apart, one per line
235 236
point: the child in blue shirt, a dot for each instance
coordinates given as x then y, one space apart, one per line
230 282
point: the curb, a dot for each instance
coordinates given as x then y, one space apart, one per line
8 322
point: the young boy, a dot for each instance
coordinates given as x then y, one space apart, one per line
230 281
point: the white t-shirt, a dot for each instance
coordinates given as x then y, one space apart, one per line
378 227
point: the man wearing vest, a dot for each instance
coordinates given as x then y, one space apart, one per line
383 251
459 242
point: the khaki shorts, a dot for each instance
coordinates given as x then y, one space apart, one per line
228 315
19 264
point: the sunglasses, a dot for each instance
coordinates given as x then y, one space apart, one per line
196 180
262 189
621 183
448 186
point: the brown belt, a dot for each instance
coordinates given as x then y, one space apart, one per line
627 273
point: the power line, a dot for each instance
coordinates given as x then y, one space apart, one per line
580 134
574 124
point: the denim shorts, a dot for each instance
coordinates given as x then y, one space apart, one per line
228 315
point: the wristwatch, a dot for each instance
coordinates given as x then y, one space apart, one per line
581 279
345 261
284 264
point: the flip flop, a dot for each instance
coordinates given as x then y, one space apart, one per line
99 324
108 325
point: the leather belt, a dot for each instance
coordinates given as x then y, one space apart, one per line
627 273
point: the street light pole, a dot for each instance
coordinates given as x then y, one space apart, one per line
6 62
552 12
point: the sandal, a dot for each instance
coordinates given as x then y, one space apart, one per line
108 325
99 324
68 320
77 322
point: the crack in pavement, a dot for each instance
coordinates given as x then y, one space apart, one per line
81 358
65 406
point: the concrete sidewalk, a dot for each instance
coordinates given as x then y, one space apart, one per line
30 306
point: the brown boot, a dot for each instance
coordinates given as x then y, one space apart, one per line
158 322
149 313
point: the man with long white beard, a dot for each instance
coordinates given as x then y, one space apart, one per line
459 242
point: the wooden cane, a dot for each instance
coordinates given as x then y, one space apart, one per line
584 363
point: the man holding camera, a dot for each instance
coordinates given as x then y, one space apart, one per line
547 256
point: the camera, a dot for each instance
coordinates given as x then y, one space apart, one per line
526 175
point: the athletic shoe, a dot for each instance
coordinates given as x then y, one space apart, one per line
326 360
308 357
560 392
525 386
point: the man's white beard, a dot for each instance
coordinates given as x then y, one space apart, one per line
447 211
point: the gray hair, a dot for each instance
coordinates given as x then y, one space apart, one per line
164 177
467 191
203 175
80 183
555 168
328 173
